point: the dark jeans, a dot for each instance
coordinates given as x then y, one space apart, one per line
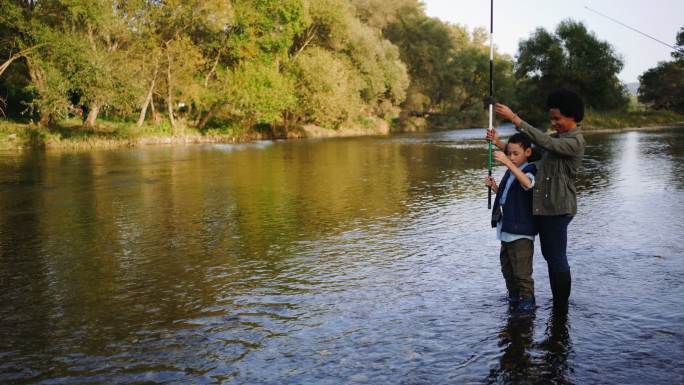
553 236
516 266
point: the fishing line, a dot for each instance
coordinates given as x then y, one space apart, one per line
637 31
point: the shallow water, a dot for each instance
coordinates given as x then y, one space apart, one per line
365 260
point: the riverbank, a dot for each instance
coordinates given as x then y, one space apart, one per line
631 120
70 134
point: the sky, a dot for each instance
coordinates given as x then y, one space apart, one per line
516 20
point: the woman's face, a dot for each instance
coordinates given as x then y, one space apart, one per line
560 122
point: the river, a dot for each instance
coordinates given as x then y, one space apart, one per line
356 261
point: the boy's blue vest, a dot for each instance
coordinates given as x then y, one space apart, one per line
517 214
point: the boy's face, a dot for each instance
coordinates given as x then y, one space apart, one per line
517 154
560 122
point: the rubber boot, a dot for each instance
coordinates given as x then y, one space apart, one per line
525 307
560 287
513 299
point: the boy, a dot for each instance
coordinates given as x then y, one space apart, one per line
515 226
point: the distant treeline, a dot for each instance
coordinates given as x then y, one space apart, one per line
283 63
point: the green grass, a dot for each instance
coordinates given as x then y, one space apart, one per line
70 133
631 118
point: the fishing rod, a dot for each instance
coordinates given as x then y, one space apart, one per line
491 97
636 30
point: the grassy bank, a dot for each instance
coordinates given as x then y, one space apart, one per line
633 118
70 134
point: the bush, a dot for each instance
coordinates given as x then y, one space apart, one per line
328 89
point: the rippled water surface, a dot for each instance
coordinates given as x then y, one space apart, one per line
360 261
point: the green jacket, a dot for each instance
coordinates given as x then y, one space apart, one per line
554 191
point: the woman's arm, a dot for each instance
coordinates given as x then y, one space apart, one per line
561 146
505 112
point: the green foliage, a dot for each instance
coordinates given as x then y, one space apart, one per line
259 93
571 58
265 29
184 60
630 119
662 87
679 54
330 24
15 85
426 46
449 69
377 61
378 14
328 88
51 90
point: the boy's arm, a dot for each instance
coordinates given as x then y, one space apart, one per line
525 181
493 136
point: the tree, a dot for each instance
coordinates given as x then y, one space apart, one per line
25 35
244 62
328 88
16 40
258 93
449 69
662 87
100 71
572 58
177 37
334 27
379 14
469 65
679 53
425 46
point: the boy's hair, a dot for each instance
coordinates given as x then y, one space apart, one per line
521 139
568 102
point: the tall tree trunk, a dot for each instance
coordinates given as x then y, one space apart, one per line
204 119
38 79
213 69
169 98
148 99
309 35
92 116
44 119
155 115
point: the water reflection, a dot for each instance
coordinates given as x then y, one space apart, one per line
555 348
523 360
515 365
